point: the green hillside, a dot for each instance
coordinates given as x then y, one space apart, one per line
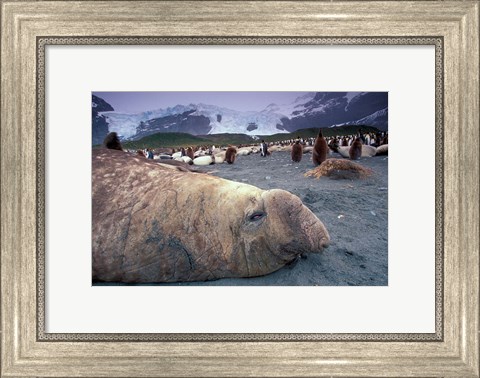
166 140
226 139
177 140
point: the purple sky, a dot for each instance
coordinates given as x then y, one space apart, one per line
135 102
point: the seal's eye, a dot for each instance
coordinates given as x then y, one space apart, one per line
256 216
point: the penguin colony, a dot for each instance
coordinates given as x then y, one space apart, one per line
353 147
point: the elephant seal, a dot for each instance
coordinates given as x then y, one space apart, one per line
204 160
243 152
297 152
274 148
187 160
220 157
156 224
184 159
230 155
382 150
320 149
179 164
368 151
355 151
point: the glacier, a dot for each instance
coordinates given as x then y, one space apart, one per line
311 105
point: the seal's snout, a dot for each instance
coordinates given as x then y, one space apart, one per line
321 240
309 233
324 244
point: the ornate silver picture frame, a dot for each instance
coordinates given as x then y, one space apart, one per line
27 28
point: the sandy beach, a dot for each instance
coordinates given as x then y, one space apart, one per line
354 212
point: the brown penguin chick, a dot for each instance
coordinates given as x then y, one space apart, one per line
230 155
189 153
112 142
319 153
344 142
355 149
297 152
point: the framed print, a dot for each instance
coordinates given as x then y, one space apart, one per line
396 292
351 260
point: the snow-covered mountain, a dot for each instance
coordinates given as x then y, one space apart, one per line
125 124
377 119
196 119
99 122
225 120
332 108
313 109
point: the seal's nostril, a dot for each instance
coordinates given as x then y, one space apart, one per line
325 243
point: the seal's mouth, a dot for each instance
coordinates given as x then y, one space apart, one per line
304 232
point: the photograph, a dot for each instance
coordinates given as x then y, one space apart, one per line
238 188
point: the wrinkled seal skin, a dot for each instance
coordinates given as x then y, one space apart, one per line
155 224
